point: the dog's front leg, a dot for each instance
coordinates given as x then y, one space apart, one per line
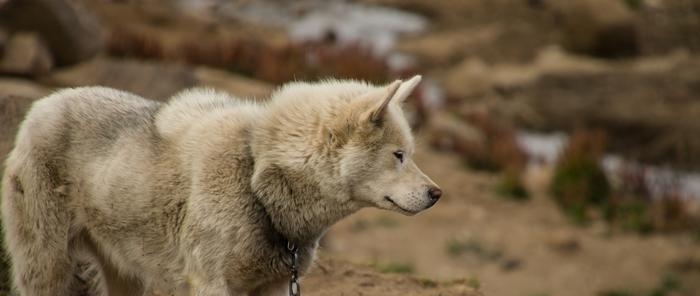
205 277
201 287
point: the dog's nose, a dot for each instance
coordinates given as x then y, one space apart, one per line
434 193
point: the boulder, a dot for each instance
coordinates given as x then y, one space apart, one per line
601 28
16 96
10 87
70 30
151 80
474 78
234 84
649 110
443 48
27 55
4 36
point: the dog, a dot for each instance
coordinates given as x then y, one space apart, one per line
206 194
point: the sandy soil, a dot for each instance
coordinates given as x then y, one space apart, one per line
511 248
332 277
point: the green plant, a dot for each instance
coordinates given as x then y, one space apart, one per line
474 282
616 293
578 214
386 221
456 248
633 216
634 4
579 182
427 283
394 267
669 283
510 185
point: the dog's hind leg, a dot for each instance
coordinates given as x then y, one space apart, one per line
36 220
103 275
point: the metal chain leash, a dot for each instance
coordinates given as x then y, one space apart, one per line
294 287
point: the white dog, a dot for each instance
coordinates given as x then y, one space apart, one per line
204 194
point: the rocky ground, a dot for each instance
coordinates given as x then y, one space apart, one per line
629 68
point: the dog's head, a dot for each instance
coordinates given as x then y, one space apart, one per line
376 154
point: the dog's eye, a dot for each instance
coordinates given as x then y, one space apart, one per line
399 155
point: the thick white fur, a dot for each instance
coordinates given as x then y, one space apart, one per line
200 195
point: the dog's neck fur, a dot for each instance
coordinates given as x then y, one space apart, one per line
310 207
306 217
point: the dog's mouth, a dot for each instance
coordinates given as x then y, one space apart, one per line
400 208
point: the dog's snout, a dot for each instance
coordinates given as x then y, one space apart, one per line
434 193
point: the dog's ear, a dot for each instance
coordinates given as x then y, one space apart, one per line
387 94
397 91
406 89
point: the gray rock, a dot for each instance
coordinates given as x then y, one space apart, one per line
70 30
16 96
233 83
148 79
4 36
10 87
26 54
598 27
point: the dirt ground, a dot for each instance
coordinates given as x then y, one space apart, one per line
542 64
511 248
332 277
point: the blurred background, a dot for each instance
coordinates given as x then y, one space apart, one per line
566 134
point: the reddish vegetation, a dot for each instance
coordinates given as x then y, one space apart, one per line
670 213
643 209
501 150
123 43
268 62
588 144
580 186
484 142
